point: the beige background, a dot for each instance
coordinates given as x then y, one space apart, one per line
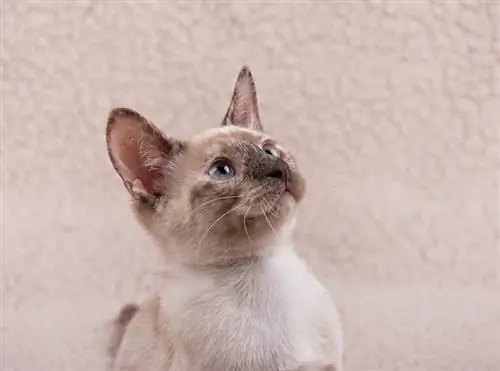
391 107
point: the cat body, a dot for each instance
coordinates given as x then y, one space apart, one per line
234 294
266 315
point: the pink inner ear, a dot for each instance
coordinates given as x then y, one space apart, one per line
129 160
136 160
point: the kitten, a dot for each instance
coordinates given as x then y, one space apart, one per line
221 206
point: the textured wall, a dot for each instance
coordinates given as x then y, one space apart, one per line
392 109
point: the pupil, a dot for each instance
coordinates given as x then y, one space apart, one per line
224 169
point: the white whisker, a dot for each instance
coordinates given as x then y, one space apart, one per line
216 221
268 221
245 223
212 201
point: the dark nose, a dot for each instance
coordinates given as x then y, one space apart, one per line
278 170
277 173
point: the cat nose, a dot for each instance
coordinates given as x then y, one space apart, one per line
278 173
278 170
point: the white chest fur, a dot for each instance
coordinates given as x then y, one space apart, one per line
269 314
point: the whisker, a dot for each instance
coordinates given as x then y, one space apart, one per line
216 221
245 223
269 206
212 201
204 204
268 221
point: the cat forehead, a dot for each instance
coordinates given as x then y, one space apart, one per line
224 138
229 134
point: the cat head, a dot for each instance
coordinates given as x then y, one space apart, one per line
225 194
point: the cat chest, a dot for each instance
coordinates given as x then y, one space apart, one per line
254 322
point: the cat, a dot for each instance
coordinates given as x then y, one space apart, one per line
235 295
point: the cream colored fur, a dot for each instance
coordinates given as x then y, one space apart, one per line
272 311
234 295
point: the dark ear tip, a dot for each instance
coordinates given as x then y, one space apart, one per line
122 112
245 71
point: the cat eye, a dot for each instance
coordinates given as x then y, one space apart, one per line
271 150
221 170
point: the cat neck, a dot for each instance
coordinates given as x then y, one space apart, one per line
276 262
222 255
251 255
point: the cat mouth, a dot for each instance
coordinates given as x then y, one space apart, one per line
285 196
285 200
295 187
273 206
289 192
275 203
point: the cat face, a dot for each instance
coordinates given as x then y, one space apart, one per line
222 195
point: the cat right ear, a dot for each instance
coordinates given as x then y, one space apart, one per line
243 109
140 154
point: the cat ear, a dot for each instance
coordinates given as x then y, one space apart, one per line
243 110
140 153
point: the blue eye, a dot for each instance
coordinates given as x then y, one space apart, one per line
271 150
221 170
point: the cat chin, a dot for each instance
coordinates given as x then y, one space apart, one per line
286 204
288 198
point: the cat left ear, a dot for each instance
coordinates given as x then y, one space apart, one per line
140 154
243 110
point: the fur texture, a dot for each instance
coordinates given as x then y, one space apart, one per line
234 295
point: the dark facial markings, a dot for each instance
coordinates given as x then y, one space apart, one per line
254 168
264 166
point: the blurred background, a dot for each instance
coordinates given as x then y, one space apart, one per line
392 109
